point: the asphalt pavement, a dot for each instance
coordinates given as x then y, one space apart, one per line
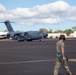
33 58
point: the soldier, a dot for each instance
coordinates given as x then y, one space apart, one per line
61 59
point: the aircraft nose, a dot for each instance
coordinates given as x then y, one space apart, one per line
45 36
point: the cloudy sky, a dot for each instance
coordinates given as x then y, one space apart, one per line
36 14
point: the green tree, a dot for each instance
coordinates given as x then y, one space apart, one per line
58 31
68 31
74 28
43 30
50 31
5 31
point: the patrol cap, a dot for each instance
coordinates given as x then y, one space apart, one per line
62 37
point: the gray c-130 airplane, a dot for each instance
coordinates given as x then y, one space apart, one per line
21 36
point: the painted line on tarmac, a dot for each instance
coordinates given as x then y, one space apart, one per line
22 62
72 60
34 61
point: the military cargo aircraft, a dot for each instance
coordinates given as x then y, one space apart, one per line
21 36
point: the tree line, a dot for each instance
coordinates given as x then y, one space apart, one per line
67 31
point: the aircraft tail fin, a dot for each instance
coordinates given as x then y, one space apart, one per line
8 25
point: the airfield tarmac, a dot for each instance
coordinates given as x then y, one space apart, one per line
33 58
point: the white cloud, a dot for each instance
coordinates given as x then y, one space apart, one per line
51 13
2 8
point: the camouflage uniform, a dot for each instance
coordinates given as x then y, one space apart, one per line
59 59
